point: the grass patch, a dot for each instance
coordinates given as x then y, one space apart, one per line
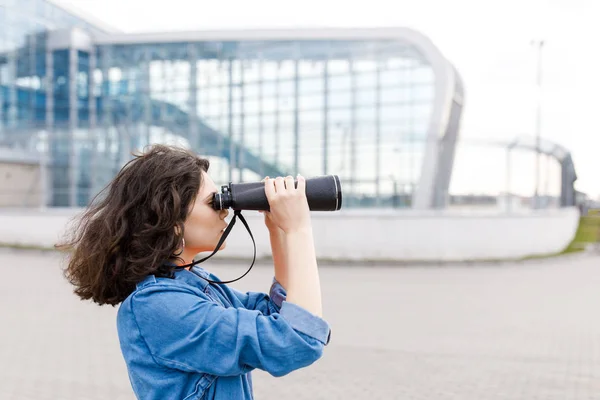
587 233
19 246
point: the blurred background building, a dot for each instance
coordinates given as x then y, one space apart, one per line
379 107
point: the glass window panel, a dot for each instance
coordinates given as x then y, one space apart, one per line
366 80
423 74
338 149
236 92
364 65
251 106
252 71
393 77
393 94
268 120
312 118
270 69
364 194
269 89
236 70
285 103
286 69
419 128
251 121
366 96
286 119
312 102
392 133
340 116
339 82
392 113
365 163
310 69
252 139
399 62
286 88
420 111
421 93
311 85
310 155
268 148
213 94
286 145
340 99
251 91
338 67
269 105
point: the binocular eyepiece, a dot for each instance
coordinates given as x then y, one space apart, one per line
324 193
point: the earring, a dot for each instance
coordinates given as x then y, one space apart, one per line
182 248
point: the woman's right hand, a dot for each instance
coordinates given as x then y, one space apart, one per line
290 211
288 204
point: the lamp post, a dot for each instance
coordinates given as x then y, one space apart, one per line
539 44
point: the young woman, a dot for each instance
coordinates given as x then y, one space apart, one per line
183 336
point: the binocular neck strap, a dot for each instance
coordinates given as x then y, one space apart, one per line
237 213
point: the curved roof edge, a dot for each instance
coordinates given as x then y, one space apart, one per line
547 147
444 123
264 34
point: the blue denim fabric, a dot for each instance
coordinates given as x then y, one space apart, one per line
184 338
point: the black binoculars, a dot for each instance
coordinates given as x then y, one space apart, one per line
324 193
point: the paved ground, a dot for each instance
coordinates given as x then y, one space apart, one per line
522 331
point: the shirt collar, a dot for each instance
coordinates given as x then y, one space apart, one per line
193 277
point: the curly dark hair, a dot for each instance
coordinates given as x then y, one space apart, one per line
134 225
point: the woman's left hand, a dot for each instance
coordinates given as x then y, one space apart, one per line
277 239
271 226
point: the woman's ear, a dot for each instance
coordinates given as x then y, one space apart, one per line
179 230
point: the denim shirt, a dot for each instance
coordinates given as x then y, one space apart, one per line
185 338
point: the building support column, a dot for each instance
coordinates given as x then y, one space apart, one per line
73 126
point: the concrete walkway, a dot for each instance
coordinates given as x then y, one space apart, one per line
510 331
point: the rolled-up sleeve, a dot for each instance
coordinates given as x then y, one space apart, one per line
267 304
187 331
277 293
305 322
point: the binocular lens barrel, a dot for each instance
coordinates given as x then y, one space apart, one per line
324 193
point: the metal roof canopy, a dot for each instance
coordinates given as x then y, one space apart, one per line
271 50
561 154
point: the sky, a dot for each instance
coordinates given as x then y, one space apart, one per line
489 43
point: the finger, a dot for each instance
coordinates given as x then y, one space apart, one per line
265 179
289 183
301 184
269 189
279 185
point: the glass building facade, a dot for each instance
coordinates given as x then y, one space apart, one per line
379 108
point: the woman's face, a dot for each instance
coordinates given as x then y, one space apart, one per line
204 225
